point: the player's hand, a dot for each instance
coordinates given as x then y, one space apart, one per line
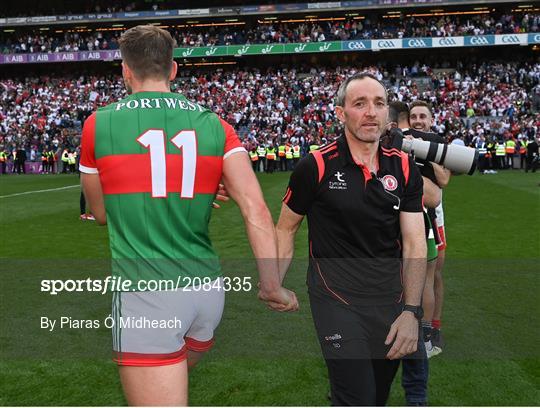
221 195
404 334
280 300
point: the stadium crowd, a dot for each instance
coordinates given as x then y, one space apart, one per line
63 7
349 29
270 108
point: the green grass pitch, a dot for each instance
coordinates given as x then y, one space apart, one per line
491 319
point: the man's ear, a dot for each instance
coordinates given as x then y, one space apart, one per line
174 70
340 113
127 73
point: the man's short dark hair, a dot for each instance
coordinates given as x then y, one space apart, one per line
148 51
342 91
423 104
398 111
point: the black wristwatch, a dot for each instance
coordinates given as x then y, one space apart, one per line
416 310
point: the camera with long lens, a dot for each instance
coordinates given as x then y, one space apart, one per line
431 147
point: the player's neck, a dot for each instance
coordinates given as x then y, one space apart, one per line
150 85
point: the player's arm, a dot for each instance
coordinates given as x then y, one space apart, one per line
244 189
442 175
432 193
414 256
94 196
90 181
286 228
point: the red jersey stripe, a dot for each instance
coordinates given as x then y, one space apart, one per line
287 195
328 148
405 166
130 173
320 163
392 150
232 140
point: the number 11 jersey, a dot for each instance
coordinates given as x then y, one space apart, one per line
159 158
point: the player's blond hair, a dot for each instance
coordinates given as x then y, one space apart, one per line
148 51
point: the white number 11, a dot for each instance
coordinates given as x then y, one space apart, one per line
154 140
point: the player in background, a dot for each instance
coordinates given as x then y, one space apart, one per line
150 169
421 119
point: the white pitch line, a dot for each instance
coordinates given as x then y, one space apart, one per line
40 191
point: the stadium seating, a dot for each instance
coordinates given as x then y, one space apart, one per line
47 112
350 29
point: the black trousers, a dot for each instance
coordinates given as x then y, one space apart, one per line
352 342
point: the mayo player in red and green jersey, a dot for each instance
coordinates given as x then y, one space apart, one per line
151 167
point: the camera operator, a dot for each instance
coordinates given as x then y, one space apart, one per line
421 119
415 370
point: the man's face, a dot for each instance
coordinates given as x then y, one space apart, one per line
365 113
421 119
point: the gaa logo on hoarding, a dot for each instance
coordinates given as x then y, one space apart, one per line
510 39
356 45
416 43
479 41
447 41
386 44
389 182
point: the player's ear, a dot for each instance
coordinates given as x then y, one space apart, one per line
174 70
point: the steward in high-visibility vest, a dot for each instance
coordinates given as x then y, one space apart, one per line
313 147
72 160
501 149
288 152
289 156
254 159
296 152
510 150
270 159
500 152
44 161
3 161
481 147
281 156
522 150
65 160
51 158
261 152
510 146
270 153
